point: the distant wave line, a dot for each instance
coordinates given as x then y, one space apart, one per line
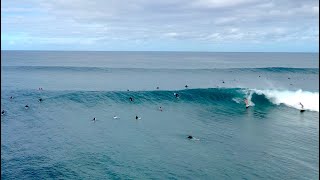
113 69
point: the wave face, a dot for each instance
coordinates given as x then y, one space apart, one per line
223 96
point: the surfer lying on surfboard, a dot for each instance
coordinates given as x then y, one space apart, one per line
192 138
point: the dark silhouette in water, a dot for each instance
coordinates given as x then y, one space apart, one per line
186 86
11 97
137 117
94 119
158 87
131 99
223 82
26 106
3 112
40 100
160 108
190 137
176 95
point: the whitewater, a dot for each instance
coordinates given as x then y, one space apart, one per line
56 138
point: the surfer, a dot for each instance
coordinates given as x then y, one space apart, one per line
40 99
94 119
11 97
222 81
26 106
246 101
186 86
131 99
301 110
192 138
137 117
160 108
2 112
158 87
176 95
301 105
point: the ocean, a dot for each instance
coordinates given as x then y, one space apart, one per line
58 139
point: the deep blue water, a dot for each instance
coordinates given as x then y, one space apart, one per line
57 139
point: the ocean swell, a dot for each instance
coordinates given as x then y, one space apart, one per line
256 97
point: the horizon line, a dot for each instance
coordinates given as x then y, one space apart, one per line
317 52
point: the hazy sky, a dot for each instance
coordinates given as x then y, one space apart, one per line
163 25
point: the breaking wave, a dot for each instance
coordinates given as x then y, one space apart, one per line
256 97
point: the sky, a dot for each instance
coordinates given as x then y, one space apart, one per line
163 25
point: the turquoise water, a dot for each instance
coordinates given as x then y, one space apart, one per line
57 138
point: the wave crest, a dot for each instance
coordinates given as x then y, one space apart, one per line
310 100
223 96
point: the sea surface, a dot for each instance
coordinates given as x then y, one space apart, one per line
58 139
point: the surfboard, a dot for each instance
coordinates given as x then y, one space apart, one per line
302 110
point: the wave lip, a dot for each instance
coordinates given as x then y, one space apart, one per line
310 100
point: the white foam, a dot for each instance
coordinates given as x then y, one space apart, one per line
237 100
249 97
310 100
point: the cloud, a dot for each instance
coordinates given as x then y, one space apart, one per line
221 4
171 34
315 9
199 21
